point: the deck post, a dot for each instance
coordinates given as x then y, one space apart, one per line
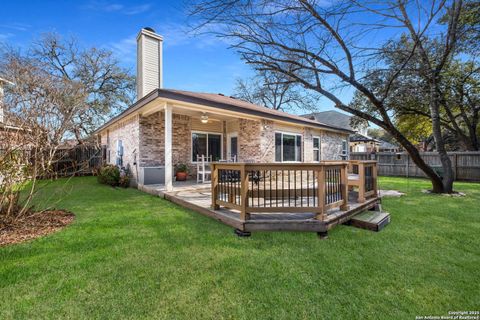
321 193
344 187
215 206
361 182
375 174
168 148
243 193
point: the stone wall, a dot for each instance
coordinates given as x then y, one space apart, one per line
331 145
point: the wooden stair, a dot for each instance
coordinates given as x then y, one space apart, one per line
374 220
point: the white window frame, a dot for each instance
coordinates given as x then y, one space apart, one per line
229 143
207 133
319 148
345 150
281 146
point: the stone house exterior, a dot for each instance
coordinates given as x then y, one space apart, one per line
168 127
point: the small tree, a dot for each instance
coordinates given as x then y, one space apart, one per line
40 108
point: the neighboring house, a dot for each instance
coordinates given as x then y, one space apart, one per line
360 141
9 133
166 127
386 146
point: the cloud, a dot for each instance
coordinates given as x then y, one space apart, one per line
125 49
16 26
103 6
5 36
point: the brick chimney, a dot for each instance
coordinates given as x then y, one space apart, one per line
149 62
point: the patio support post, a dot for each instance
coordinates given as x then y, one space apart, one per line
168 148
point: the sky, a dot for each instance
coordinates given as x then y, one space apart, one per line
201 63
196 63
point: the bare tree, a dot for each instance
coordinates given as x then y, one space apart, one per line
109 88
328 47
274 91
40 110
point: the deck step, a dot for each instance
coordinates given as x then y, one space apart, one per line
371 220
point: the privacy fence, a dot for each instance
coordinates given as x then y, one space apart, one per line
465 165
79 160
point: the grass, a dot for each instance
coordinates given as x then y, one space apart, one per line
132 255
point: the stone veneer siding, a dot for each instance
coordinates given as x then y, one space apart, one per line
331 145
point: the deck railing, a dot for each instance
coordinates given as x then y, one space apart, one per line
279 187
366 178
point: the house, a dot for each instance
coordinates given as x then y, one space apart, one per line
358 142
386 146
165 127
10 134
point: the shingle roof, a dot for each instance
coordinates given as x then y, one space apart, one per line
333 118
222 102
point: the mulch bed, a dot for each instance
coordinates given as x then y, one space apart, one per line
36 225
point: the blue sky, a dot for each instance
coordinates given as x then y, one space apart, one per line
190 63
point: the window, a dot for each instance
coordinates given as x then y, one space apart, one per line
344 148
288 147
119 160
316 149
207 144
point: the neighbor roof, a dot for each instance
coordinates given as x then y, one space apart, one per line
332 117
221 102
357 137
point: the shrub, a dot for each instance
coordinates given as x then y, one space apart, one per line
124 180
109 174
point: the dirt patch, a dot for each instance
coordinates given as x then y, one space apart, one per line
34 226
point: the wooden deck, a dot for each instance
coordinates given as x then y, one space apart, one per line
198 197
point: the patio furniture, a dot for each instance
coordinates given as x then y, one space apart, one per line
204 171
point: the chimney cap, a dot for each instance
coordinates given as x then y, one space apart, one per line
149 29
150 33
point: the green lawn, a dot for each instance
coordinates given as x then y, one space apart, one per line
132 255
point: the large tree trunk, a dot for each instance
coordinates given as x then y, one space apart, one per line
436 180
448 176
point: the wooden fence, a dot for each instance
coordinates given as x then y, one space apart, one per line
465 165
79 160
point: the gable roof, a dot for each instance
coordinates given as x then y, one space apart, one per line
333 118
222 102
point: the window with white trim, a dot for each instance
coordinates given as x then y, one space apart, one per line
288 147
207 144
119 159
344 147
316 149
